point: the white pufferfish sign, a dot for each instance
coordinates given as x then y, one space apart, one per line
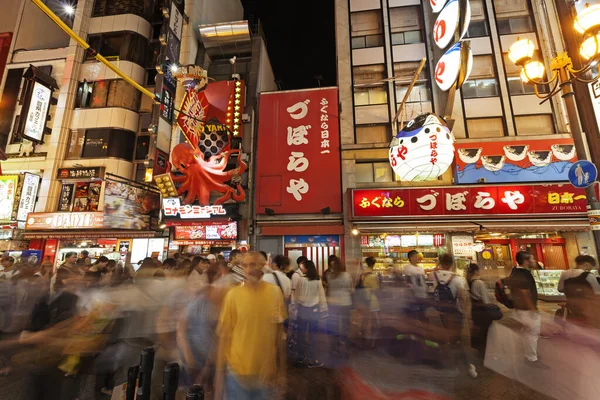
423 150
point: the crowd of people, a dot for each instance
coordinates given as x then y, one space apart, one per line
234 326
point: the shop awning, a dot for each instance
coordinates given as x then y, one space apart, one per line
95 234
499 226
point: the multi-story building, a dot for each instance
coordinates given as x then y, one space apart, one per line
508 143
100 127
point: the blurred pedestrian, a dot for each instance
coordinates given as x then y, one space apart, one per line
250 336
525 297
332 260
95 272
212 259
339 304
414 277
7 267
276 276
581 289
367 302
149 268
84 258
482 319
312 307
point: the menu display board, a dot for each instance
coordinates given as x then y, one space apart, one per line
207 231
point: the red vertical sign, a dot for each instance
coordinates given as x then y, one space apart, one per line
298 163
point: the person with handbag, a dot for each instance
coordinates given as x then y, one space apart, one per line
483 311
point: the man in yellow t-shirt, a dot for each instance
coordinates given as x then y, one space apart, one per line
250 335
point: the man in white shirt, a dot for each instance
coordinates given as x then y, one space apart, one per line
276 276
582 264
415 275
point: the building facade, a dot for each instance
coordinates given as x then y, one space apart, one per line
507 142
100 128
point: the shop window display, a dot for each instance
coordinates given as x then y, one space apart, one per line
391 251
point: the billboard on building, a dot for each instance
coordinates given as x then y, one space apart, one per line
8 187
130 207
298 162
545 160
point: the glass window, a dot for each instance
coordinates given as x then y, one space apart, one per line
122 94
358 42
413 37
480 88
397 38
485 127
99 94
108 93
373 134
102 143
75 144
142 145
125 46
542 124
383 172
478 29
366 29
370 96
374 40
364 172
513 16
418 93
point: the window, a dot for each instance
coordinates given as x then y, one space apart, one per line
404 73
145 9
482 82
513 76
368 74
108 93
124 46
366 29
513 16
485 127
534 124
406 25
102 143
142 145
367 96
373 134
478 26
370 172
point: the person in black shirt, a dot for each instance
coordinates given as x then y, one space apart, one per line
525 297
94 274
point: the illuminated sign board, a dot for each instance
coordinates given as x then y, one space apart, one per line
172 208
39 104
29 191
208 231
8 186
68 220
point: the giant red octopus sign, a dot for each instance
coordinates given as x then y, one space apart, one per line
209 118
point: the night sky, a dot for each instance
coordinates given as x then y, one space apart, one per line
300 37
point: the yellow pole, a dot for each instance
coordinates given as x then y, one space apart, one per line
86 46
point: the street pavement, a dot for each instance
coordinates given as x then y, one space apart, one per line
368 373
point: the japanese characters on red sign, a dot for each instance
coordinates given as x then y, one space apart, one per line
298 152
468 201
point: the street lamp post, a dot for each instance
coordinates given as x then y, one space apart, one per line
521 52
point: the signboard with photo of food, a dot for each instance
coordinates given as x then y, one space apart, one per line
207 231
130 207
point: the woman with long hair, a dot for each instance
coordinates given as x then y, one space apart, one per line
312 306
339 303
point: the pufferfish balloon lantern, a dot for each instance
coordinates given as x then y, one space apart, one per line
423 150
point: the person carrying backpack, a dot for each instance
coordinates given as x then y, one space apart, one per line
580 288
451 300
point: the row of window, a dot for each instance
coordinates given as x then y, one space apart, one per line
512 17
150 10
102 143
123 46
108 93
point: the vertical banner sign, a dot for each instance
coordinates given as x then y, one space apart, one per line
29 192
8 186
298 164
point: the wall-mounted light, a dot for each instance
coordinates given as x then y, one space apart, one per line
355 231
69 9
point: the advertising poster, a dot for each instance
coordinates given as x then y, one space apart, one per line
29 192
8 186
35 121
208 231
65 203
299 145
130 207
